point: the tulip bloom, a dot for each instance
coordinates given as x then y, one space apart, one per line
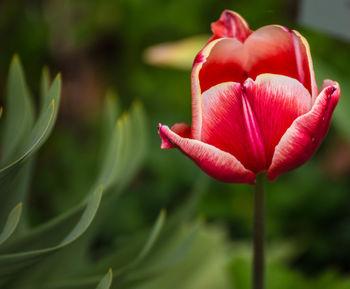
255 103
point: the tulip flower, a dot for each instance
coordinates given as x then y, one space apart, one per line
255 103
256 108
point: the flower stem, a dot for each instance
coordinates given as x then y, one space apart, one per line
259 233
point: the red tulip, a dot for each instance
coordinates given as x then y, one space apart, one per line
255 103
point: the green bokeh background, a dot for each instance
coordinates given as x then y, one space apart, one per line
99 45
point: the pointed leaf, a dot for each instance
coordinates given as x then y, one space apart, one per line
11 223
11 264
106 281
148 245
18 111
40 131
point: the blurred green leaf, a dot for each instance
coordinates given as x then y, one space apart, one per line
106 281
19 113
148 245
11 263
11 223
15 174
41 130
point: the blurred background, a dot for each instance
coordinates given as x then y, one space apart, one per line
103 45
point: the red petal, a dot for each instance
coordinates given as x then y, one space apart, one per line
182 129
224 125
216 163
232 25
224 63
305 134
248 120
276 101
274 49
270 49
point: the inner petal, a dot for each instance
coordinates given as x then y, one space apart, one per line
275 50
276 101
248 120
270 49
224 63
229 124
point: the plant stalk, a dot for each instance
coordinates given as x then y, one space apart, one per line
259 233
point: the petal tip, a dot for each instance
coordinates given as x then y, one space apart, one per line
231 24
166 143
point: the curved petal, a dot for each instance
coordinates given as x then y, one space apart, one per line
275 49
305 134
232 25
215 162
230 125
304 48
271 49
225 62
196 90
249 120
182 129
276 101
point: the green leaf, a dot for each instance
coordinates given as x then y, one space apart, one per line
125 150
19 113
91 280
165 257
12 263
41 130
148 245
11 223
14 177
106 281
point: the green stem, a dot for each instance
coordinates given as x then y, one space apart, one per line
259 233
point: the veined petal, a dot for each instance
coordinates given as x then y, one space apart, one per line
304 48
232 25
182 129
230 125
248 120
224 63
304 136
215 162
276 101
275 49
271 49
196 90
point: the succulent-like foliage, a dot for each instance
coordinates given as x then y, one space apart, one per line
55 254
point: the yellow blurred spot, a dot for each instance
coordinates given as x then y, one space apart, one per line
15 57
179 54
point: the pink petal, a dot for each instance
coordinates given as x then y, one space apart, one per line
232 25
248 120
276 101
305 134
182 129
224 63
270 49
197 91
216 163
274 49
230 125
305 56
